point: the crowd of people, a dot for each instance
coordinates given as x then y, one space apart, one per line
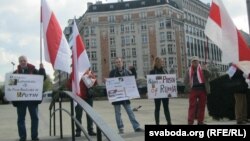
196 80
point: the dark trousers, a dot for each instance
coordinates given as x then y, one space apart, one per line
240 107
21 113
79 110
165 102
197 104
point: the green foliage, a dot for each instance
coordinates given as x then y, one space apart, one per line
47 85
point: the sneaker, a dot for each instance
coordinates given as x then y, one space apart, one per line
241 122
121 131
92 133
139 130
78 134
35 139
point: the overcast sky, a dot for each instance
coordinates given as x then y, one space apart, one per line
20 26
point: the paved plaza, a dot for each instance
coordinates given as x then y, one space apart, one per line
145 115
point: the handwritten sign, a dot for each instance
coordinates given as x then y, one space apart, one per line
121 88
23 87
161 86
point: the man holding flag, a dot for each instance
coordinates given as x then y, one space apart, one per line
81 67
222 31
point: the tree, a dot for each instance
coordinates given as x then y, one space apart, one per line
47 85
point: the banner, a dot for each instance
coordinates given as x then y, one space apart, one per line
121 88
23 87
161 86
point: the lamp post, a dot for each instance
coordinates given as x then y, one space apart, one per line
13 65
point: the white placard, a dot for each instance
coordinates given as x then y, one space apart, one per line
121 88
161 86
23 87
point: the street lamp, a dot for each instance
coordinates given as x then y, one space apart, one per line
13 65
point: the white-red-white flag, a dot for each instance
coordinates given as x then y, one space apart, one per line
222 31
79 58
56 48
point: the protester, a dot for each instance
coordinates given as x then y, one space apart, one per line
158 69
25 68
196 82
120 71
87 95
240 89
133 71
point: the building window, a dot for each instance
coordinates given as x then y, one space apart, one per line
169 36
92 30
165 61
159 13
162 24
112 41
143 15
162 36
123 41
126 28
94 67
113 66
144 39
128 52
134 52
123 53
135 63
93 55
94 7
132 27
127 17
170 48
168 24
163 51
86 43
111 18
143 26
112 29
111 6
171 61
86 31
122 28
113 53
93 43
94 19
127 40
133 40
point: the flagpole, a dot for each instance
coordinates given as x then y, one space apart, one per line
41 33
206 50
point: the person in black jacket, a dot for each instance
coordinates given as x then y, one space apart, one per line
158 69
120 71
240 91
25 68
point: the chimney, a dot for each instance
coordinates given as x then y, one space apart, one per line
89 4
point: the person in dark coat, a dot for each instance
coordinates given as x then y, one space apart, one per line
25 68
240 90
158 69
86 95
120 71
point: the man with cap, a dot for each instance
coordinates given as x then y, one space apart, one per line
195 80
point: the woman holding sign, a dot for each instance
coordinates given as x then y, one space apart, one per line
158 69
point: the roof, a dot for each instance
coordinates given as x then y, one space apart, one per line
129 5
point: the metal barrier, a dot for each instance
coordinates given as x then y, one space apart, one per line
101 126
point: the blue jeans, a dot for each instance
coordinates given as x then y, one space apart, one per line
130 113
21 113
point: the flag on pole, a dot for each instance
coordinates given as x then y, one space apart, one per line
222 31
56 48
80 60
